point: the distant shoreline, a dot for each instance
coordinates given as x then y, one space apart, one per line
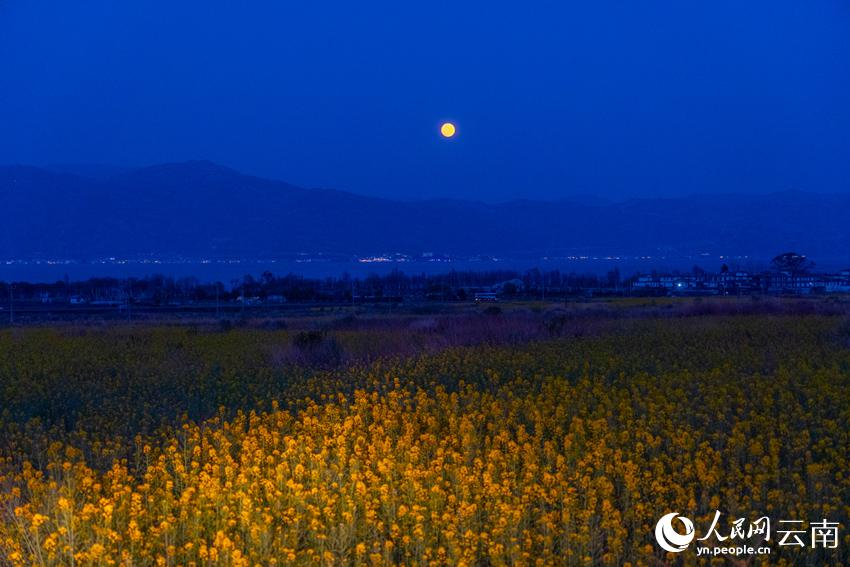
43 271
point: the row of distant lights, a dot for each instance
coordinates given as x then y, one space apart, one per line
364 260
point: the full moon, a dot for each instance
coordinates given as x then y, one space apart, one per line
447 130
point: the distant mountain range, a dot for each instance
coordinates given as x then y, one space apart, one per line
203 210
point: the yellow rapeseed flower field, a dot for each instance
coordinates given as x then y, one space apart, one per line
178 446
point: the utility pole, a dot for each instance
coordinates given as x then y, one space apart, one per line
217 316
11 306
542 285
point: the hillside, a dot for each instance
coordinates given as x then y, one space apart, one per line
199 209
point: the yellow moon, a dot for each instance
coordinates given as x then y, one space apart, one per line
448 130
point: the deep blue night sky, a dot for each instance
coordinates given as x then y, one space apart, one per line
608 98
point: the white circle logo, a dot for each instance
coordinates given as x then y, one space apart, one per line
669 538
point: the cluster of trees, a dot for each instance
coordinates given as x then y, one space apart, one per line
392 286
396 285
